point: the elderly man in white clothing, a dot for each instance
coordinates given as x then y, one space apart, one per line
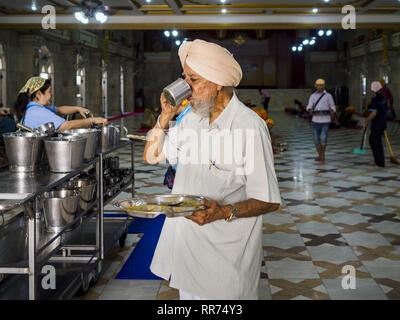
215 253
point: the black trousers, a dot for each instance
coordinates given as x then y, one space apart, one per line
375 141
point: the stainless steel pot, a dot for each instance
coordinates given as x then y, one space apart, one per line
65 154
93 140
109 137
24 150
177 92
59 208
87 190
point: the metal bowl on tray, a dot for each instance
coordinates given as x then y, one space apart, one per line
172 205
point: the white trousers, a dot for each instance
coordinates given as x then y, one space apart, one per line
187 296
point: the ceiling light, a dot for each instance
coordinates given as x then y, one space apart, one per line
321 33
306 42
300 48
315 10
34 8
100 17
178 42
148 1
174 33
223 10
167 33
326 1
223 1
329 32
81 17
294 48
312 42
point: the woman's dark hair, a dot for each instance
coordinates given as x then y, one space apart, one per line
24 98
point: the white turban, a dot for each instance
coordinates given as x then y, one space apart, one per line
211 61
376 86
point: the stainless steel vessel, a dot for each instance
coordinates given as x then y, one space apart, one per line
65 154
24 150
59 208
93 140
86 188
177 92
109 137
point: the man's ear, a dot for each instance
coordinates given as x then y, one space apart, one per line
219 88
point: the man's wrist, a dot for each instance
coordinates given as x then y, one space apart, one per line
163 121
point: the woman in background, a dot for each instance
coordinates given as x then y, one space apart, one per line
32 108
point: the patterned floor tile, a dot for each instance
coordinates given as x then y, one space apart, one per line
291 269
365 239
277 254
388 252
328 252
316 228
390 287
316 240
294 289
366 289
333 270
383 268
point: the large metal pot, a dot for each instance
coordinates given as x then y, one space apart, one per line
65 154
92 142
24 150
59 208
109 137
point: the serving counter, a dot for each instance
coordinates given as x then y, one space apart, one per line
30 255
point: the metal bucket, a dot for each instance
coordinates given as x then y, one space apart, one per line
65 154
92 142
24 150
109 137
177 92
59 208
86 188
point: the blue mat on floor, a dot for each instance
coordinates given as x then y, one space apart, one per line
138 264
143 225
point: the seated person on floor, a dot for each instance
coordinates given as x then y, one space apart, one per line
346 118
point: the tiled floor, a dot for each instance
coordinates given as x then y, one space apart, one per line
341 213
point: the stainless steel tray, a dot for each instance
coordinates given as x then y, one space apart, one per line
172 205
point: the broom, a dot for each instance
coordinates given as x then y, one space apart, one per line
393 159
361 150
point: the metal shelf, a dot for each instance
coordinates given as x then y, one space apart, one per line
25 245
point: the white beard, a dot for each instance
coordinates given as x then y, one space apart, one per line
203 108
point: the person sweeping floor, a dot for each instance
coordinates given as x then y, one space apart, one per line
377 117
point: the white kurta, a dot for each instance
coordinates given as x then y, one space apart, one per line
220 260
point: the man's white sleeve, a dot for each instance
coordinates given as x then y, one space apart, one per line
261 181
170 146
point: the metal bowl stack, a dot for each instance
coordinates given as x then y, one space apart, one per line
86 188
